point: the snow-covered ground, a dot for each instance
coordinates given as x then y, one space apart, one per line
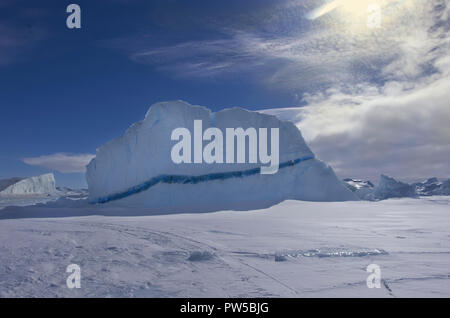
293 249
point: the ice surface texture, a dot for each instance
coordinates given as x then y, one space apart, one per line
136 169
44 184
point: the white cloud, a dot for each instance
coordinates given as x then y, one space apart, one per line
62 162
401 129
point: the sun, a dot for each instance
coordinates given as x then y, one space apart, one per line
353 8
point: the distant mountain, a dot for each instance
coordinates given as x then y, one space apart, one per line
388 187
432 186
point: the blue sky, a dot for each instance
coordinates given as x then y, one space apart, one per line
65 92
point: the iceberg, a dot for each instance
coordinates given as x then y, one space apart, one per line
388 187
136 169
43 184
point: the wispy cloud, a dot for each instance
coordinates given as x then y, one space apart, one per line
205 58
312 55
62 162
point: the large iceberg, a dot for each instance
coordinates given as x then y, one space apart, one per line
137 169
43 184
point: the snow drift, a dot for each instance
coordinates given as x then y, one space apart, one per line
136 169
44 184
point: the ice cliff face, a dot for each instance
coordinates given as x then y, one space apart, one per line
44 184
136 169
